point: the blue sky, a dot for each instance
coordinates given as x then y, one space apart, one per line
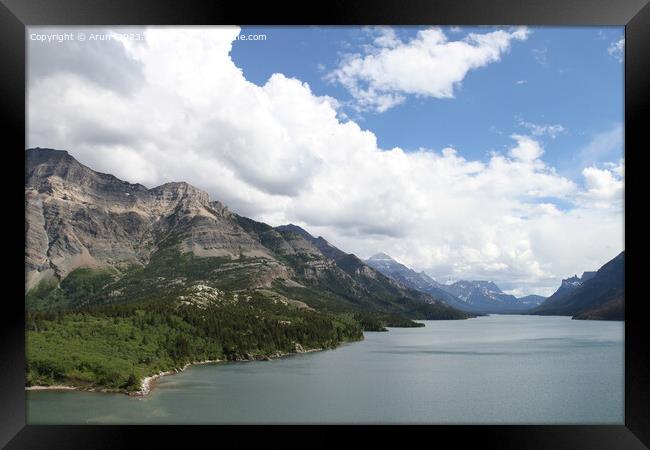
558 76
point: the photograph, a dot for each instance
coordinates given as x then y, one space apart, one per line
325 225
296 223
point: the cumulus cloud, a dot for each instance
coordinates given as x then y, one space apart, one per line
281 154
428 65
604 187
527 149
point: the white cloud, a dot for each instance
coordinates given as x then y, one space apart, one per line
552 130
604 187
386 37
281 154
521 81
617 49
428 65
527 149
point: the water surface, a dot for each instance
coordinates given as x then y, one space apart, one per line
488 370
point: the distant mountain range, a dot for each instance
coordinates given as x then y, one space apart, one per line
141 243
419 281
595 295
472 296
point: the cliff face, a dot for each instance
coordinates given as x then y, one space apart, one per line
76 217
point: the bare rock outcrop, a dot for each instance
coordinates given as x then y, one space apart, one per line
76 217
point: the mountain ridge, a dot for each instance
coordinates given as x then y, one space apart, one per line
78 218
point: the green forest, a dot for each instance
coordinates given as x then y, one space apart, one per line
115 346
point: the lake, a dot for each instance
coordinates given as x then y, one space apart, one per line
500 369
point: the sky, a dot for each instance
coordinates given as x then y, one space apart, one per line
481 153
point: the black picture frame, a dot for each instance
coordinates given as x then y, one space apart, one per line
15 15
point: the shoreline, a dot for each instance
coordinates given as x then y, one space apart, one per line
56 387
147 384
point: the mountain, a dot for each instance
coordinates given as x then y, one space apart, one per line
384 263
94 239
415 280
470 296
354 282
77 217
531 300
486 296
595 295
573 283
325 247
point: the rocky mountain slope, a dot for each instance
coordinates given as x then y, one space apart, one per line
595 295
77 217
94 239
573 283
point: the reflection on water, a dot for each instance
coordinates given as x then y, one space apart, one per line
496 369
